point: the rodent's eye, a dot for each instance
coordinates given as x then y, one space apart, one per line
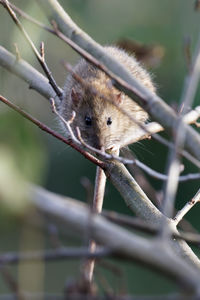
88 121
109 121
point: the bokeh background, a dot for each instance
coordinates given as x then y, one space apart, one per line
28 153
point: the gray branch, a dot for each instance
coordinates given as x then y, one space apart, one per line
26 72
154 253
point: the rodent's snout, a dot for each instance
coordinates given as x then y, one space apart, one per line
96 142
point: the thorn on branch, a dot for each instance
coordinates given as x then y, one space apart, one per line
181 213
42 51
18 56
53 106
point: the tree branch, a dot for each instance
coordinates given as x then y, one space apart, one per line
26 72
39 57
40 83
52 132
181 213
122 242
10 258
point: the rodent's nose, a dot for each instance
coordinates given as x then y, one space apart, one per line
97 143
98 146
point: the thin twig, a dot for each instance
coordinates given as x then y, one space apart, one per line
26 72
102 153
139 224
67 123
181 213
18 56
174 160
40 59
185 153
53 254
164 177
100 184
52 132
11 282
29 18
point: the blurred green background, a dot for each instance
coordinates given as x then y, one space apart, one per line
27 152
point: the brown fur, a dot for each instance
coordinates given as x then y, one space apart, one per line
99 134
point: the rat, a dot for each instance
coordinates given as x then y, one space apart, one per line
102 125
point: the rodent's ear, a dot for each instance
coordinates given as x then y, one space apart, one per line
119 98
76 97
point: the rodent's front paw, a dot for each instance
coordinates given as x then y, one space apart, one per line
114 149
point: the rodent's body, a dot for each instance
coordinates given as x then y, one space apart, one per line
102 125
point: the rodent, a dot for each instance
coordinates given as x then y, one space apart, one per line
101 124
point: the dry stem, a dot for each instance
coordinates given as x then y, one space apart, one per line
121 241
181 213
52 132
100 183
39 57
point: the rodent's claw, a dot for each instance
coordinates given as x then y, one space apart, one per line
114 149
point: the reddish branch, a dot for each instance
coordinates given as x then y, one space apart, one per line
52 132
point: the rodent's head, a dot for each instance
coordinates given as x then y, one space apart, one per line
96 118
102 124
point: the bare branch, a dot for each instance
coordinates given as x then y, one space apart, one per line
153 127
139 203
11 282
186 154
26 72
119 240
29 18
191 81
100 184
179 135
132 194
181 213
141 225
164 177
52 132
52 255
40 58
